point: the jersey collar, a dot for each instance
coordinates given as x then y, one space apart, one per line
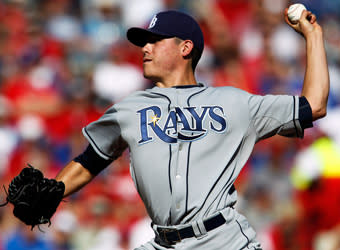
188 86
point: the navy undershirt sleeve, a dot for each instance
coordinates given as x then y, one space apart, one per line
305 113
90 160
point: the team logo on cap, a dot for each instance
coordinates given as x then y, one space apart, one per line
153 22
185 124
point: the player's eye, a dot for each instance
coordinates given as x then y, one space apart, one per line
153 39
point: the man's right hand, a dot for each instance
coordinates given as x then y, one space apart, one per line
306 25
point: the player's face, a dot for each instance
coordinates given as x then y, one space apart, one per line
160 59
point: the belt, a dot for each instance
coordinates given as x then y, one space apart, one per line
172 235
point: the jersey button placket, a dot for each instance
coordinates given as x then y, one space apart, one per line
178 179
179 182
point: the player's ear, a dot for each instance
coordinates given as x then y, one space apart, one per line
187 48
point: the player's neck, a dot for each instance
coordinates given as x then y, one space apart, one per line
173 80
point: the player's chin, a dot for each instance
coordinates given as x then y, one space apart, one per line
152 78
148 75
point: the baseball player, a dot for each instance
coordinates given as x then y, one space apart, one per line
189 142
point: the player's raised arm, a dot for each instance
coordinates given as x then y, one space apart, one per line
316 81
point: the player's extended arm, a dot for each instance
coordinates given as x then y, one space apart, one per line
74 176
316 81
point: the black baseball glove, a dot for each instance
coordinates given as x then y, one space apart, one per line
35 198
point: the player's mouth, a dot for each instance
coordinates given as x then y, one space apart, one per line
145 60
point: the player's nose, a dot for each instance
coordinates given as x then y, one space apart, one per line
147 48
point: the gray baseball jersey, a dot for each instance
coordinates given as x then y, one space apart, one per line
188 144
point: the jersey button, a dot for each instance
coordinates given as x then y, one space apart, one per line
178 206
178 176
180 146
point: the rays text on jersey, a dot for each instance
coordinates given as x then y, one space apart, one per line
186 124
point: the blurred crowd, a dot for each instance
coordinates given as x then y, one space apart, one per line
64 62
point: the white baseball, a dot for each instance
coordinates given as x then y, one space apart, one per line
295 11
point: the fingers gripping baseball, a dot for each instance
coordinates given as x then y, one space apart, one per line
306 24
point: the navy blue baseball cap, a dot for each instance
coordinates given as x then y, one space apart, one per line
169 24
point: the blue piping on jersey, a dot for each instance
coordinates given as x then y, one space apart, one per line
231 190
188 101
226 186
96 147
218 179
187 180
248 241
188 157
164 97
188 86
170 151
296 130
169 168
